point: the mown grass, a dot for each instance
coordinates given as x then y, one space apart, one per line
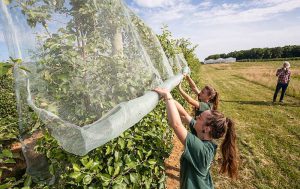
264 73
268 134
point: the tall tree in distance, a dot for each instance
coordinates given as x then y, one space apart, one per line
290 51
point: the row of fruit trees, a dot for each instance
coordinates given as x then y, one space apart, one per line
133 160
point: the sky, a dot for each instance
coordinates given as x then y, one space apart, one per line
219 26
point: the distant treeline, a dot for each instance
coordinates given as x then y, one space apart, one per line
290 51
266 60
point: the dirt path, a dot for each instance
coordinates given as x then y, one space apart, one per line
172 165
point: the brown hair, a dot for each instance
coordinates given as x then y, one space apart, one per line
214 96
220 126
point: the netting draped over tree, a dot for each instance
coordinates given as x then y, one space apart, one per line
92 66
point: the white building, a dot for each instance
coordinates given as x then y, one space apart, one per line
220 60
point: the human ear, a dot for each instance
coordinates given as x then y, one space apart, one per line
207 129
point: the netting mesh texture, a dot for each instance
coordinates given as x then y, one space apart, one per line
91 64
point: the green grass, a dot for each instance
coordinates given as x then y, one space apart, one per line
263 73
268 134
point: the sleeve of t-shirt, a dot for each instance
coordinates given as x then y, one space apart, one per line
194 149
191 125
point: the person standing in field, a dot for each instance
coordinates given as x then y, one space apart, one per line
284 76
199 149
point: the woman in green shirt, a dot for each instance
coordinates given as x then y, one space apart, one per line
199 150
208 97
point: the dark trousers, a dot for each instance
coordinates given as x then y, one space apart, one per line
279 86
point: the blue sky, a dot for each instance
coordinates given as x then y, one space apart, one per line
224 26
220 26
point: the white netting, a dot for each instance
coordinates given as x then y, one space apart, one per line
91 63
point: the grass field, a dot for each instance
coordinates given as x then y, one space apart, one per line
268 134
263 73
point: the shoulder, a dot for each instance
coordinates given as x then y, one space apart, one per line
193 142
204 105
197 145
195 149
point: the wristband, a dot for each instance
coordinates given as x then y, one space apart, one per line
166 99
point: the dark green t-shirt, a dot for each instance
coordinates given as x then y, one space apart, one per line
203 106
195 162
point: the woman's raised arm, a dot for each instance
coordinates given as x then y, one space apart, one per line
192 84
173 114
189 99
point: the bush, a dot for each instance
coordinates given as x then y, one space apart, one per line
133 160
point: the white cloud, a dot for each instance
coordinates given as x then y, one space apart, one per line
237 13
171 13
205 4
1 36
155 3
221 28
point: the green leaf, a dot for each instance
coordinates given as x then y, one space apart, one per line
5 186
116 156
148 183
63 77
7 153
119 179
25 69
130 144
152 161
149 153
133 177
140 154
119 186
105 177
131 165
95 165
5 68
117 171
17 60
87 179
105 183
28 181
108 150
9 161
162 179
121 142
47 76
156 171
76 167
84 160
75 175
110 169
88 164
36 126
51 169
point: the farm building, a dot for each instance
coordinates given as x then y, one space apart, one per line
220 60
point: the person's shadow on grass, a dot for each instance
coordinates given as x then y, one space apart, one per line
263 103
